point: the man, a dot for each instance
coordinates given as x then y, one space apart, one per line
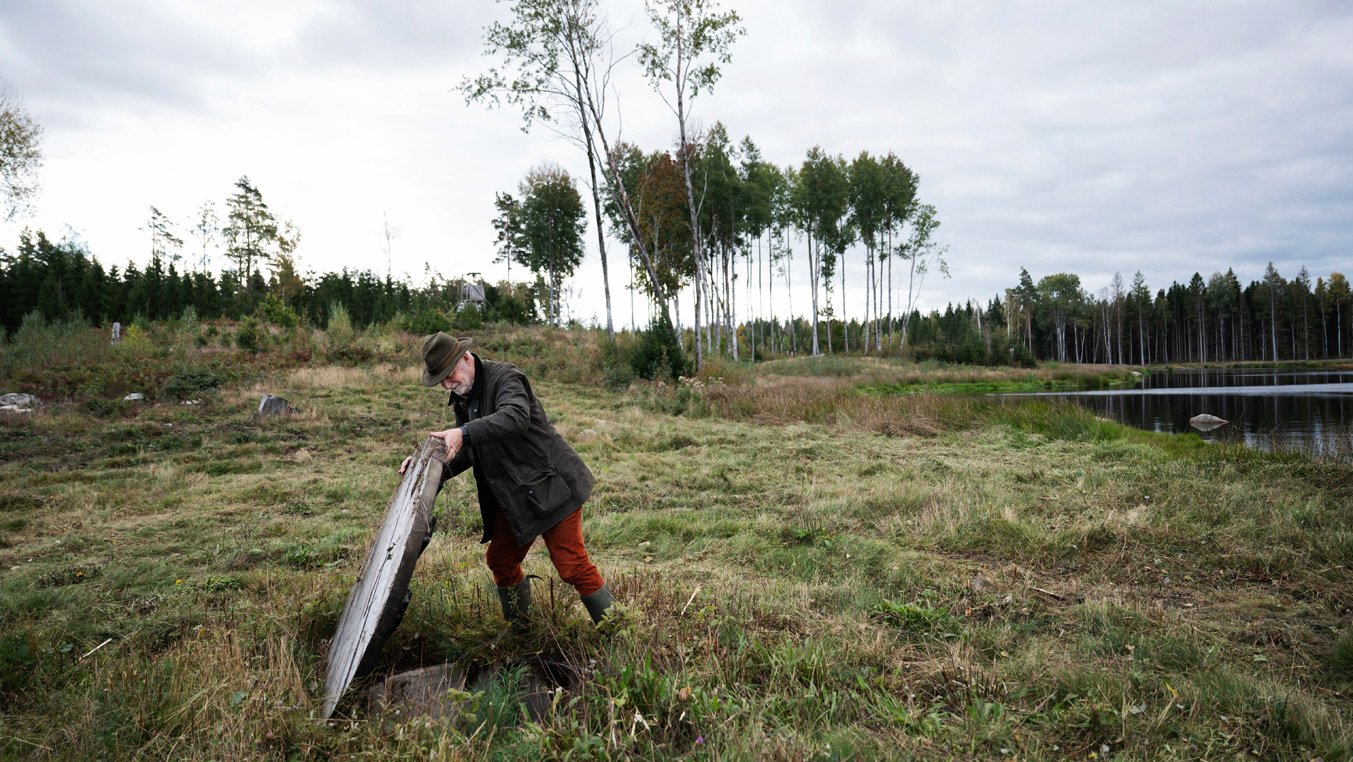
531 483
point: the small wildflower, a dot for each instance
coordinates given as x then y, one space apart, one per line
178 581
699 740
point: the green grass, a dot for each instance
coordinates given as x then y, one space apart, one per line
806 571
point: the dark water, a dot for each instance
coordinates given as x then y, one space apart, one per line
1288 409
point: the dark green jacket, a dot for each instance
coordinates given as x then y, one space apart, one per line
521 464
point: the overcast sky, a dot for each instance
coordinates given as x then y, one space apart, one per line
1088 137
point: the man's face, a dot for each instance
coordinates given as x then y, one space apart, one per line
461 377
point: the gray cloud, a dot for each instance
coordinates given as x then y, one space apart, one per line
1169 137
392 35
76 58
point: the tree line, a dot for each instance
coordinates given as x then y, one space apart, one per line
758 221
61 280
1213 319
691 217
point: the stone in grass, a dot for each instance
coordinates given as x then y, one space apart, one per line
425 692
1206 422
270 405
438 692
540 680
134 397
19 399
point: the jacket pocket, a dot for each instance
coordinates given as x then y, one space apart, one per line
545 493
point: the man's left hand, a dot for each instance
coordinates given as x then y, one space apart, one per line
453 439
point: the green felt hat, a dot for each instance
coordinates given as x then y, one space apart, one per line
440 353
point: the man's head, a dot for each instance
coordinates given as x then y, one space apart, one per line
447 362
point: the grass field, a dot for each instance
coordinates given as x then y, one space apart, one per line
808 570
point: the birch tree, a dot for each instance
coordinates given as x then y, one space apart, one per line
554 61
20 154
694 38
899 203
821 201
659 206
205 229
1060 300
721 221
868 204
921 252
759 181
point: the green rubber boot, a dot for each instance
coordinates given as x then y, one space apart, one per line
516 602
598 603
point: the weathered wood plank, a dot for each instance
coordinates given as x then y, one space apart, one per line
381 591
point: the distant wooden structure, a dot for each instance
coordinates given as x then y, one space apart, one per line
471 293
381 593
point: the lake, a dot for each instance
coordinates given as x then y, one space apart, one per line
1290 409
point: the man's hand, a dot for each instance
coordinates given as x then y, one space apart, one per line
453 439
405 465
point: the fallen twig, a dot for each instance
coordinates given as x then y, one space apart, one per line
688 600
95 648
1048 593
30 743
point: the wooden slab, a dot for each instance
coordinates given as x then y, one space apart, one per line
381 592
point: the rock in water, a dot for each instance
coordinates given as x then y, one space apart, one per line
1205 422
381 592
270 405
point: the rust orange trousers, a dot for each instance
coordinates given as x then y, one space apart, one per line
565 543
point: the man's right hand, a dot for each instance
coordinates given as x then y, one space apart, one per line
405 465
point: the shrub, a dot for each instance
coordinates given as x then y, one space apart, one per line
40 343
423 322
339 328
658 354
135 343
250 336
616 371
468 318
188 322
275 311
506 307
189 382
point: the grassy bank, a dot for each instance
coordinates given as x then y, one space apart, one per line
809 571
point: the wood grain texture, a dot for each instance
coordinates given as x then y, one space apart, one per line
381 592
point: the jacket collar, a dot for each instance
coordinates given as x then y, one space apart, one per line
475 388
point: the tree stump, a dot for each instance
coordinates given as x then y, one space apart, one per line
381 592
